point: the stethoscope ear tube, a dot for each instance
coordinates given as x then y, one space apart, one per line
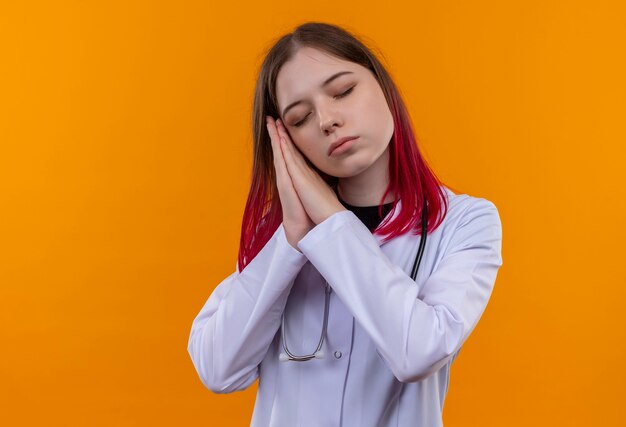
420 250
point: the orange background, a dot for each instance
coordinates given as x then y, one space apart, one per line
126 155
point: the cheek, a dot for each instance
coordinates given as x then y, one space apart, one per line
297 141
381 103
313 156
305 148
381 115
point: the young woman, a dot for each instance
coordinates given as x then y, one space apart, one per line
324 307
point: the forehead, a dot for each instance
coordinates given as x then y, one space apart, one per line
305 71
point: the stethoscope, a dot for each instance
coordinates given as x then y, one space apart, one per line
287 355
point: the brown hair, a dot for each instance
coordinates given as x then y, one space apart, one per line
410 177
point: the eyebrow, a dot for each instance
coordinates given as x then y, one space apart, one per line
326 82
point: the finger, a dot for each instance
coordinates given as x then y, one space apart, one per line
291 153
290 147
272 131
275 139
279 161
285 145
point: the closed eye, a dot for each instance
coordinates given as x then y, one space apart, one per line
341 95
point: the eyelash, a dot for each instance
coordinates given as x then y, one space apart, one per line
341 95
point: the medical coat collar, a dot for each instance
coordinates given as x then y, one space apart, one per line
393 213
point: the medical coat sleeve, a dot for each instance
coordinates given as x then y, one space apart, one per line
235 327
416 329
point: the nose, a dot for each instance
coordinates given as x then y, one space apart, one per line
329 126
329 119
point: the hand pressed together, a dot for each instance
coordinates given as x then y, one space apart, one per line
305 197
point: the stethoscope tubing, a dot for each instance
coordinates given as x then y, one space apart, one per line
327 290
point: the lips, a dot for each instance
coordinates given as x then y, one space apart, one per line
339 142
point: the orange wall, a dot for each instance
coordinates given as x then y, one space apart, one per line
125 138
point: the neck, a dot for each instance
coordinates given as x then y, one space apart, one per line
368 187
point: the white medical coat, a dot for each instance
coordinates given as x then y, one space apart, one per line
390 341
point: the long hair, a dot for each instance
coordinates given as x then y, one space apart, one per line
411 179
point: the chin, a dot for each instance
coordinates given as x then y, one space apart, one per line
348 168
